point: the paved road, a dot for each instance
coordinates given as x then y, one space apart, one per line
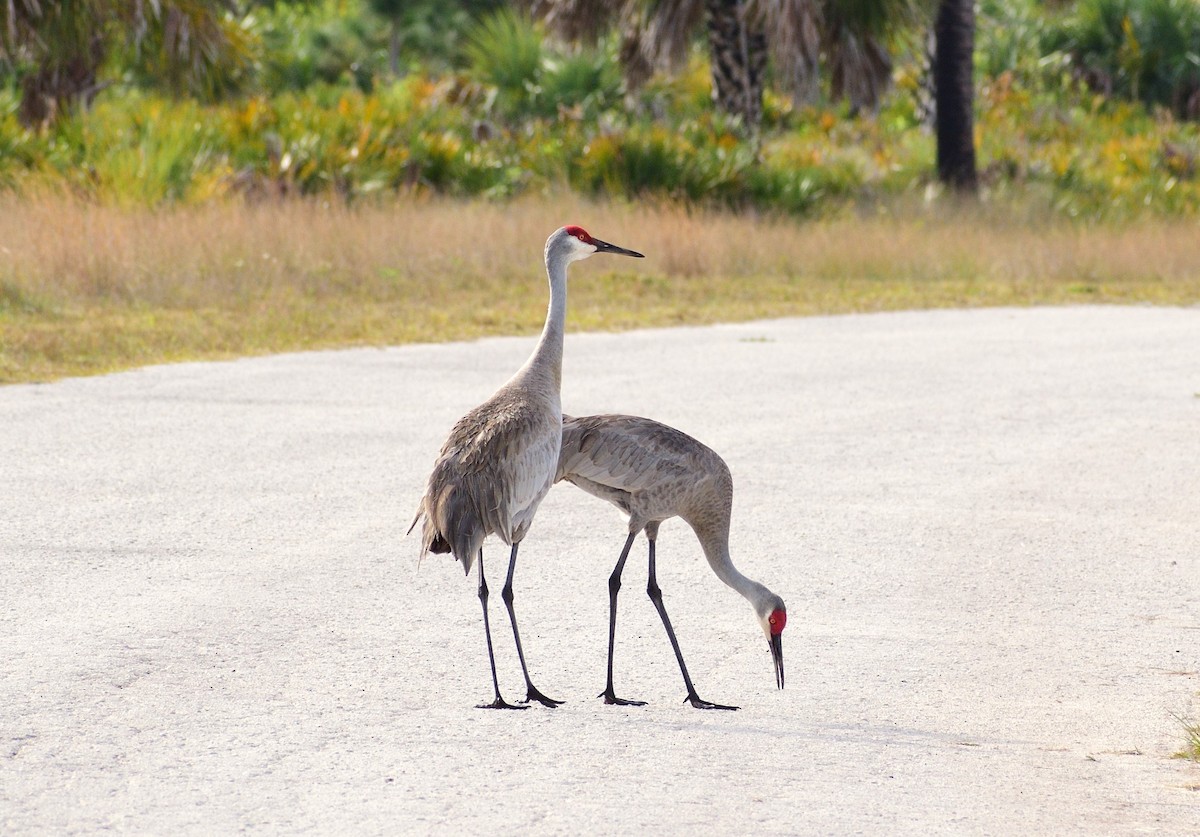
985 524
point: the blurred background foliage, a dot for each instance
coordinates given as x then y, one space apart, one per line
1085 108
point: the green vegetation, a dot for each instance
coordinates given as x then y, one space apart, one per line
1146 50
1191 738
484 105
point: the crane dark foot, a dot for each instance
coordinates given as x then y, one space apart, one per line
612 700
534 694
695 701
500 703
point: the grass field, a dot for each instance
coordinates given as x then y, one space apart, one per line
87 289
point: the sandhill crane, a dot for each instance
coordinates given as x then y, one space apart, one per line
653 472
500 458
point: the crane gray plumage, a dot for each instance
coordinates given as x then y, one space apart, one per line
499 460
492 472
653 472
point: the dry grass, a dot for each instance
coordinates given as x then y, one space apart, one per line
87 289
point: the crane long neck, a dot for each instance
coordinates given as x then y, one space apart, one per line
546 360
716 550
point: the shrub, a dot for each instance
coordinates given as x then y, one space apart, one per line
505 51
1147 50
1013 37
588 79
306 44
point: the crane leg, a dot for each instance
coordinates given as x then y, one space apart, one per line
655 593
499 702
531 692
614 584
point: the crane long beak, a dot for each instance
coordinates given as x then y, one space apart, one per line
777 654
605 247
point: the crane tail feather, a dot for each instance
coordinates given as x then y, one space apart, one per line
413 525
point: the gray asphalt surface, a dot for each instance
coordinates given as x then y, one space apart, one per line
985 525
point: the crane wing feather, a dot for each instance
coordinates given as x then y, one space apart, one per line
610 450
492 472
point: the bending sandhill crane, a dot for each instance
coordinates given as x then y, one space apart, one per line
500 459
653 472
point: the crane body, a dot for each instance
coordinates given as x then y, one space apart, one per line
500 459
653 472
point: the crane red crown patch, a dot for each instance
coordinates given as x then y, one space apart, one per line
778 621
580 233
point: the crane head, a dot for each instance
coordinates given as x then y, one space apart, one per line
579 244
774 620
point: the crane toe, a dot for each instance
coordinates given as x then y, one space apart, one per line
534 694
696 701
500 703
612 700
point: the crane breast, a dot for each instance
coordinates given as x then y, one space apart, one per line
499 462
532 475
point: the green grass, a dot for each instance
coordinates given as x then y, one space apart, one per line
88 289
1191 738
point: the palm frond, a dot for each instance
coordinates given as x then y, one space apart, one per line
850 37
877 19
665 29
794 28
576 21
66 43
860 70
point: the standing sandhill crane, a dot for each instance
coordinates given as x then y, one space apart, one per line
653 472
500 459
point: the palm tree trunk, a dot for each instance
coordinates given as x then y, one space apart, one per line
739 60
954 91
394 48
